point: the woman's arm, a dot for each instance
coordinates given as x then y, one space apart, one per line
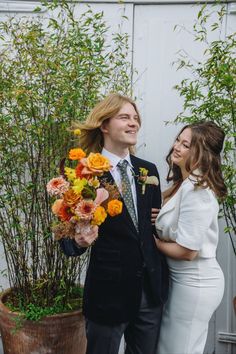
175 251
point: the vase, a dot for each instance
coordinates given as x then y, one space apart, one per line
57 334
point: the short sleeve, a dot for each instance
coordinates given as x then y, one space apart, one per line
194 218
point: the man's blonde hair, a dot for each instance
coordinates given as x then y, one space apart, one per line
91 137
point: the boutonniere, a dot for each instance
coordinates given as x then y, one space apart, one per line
144 179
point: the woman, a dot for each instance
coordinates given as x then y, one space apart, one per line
187 227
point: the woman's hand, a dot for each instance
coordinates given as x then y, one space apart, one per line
158 242
88 238
154 213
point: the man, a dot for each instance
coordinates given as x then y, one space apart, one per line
127 279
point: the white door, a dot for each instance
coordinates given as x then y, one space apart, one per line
155 49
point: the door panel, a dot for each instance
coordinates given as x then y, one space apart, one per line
156 45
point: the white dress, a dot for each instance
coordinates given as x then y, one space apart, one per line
196 287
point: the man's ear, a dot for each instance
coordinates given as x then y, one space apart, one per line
103 127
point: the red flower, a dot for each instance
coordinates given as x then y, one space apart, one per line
64 213
78 170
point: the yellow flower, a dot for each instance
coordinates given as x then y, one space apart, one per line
98 163
77 132
79 185
76 154
94 182
70 173
114 207
99 216
143 171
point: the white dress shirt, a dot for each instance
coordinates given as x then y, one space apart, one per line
115 172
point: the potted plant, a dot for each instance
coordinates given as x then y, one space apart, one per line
52 72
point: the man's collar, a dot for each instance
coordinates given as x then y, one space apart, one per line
114 159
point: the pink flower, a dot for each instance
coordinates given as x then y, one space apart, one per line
82 169
102 195
85 209
57 186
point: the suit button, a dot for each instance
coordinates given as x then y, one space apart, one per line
139 273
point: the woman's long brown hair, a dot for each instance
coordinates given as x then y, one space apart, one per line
205 148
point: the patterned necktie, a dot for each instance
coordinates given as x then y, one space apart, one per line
126 191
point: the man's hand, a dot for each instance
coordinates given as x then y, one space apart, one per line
88 238
154 213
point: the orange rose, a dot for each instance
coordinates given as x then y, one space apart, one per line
99 216
71 198
114 207
57 206
76 154
98 163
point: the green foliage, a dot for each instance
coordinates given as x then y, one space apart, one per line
52 72
211 96
39 308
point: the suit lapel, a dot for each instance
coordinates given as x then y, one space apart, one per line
107 177
140 196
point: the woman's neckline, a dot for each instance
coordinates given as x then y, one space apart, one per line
187 179
172 197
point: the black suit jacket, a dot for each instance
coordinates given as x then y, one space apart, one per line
121 256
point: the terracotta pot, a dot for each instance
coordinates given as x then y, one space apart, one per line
57 334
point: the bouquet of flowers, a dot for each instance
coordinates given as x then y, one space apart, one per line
82 200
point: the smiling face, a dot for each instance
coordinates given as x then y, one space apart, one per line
120 132
181 149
